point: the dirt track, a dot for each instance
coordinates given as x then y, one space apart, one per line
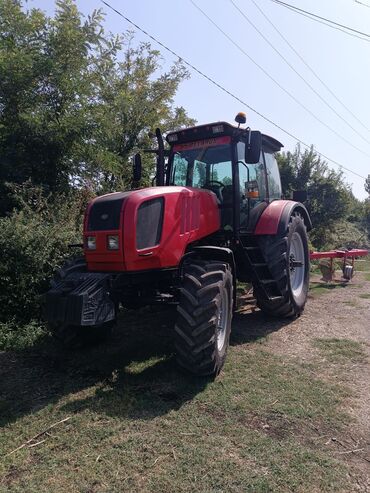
339 313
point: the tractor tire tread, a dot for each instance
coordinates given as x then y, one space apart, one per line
195 338
275 252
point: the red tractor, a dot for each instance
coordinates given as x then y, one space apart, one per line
214 217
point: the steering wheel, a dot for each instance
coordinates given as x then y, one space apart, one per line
217 190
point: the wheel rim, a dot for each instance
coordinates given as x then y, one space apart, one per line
296 264
222 319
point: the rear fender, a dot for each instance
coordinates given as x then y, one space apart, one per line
275 218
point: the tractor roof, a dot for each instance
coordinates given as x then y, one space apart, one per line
271 144
218 129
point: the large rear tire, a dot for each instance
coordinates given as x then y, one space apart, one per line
203 325
75 337
287 257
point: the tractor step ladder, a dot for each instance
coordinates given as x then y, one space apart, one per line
252 257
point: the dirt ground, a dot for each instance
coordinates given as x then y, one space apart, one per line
341 311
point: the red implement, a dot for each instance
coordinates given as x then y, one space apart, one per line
339 254
347 268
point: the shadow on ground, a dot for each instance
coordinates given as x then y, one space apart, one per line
329 285
136 364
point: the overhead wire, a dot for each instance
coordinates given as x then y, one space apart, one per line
362 3
226 91
296 71
323 20
294 7
308 66
296 100
328 25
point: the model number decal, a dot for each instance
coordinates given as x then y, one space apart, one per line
202 143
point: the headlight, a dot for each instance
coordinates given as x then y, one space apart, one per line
112 242
91 242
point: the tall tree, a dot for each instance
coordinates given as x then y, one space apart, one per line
329 197
74 101
367 185
366 215
133 99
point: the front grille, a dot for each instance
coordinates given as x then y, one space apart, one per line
149 223
105 213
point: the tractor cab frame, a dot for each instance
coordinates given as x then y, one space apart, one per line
238 165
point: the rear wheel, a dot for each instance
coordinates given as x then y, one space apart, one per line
203 324
74 337
288 260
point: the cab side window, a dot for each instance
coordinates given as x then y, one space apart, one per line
273 176
253 190
252 175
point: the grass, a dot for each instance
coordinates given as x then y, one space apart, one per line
317 289
139 425
366 296
350 303
366 276
18 337
341 350
363 265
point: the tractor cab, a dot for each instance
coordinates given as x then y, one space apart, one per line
237 165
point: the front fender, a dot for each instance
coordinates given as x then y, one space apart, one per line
275 218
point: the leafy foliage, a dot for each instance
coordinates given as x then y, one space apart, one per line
73 107
75 104
336 214
367 185
34 241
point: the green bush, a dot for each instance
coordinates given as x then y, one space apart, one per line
340 234
33 243
17 336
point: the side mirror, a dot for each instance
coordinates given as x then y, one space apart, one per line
299 195
136 167
253 146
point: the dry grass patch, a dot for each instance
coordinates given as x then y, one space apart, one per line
320 288
365 296
341 350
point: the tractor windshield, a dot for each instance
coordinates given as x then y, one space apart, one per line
204 164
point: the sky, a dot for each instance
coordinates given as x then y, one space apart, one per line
341 61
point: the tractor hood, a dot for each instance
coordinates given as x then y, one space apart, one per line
148 228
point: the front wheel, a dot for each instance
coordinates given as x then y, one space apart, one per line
203 325
287 257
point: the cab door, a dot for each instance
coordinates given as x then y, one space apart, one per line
253 185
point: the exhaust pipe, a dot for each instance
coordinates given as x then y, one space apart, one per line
160 158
